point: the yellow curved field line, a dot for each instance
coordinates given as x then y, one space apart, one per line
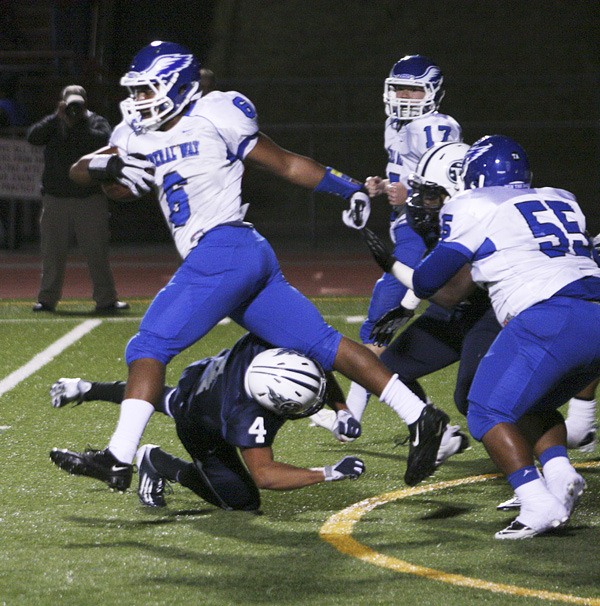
338 532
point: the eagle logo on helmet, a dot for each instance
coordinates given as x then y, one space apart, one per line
165 65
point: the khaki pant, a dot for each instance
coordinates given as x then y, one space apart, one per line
87 218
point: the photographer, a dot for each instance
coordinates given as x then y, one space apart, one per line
69 208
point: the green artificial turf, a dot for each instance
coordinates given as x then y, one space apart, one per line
69 540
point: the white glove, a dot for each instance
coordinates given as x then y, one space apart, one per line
346 427
136 174
325 418
349 468
357 215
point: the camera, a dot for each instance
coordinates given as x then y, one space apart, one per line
75 110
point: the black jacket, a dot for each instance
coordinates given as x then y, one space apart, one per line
64 146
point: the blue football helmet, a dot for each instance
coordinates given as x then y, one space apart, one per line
171 73
413 70
496 160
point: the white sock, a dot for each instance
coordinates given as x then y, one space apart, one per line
581 416
558 471
537 503
402 400
133 419
357 400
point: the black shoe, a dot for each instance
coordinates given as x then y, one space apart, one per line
98 464
112 308
151 487
42 307
425 437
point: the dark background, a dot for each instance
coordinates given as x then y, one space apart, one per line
315 71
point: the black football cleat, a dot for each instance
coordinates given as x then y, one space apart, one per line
425 437
98 464
151 486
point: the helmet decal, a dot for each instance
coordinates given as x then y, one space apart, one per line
165 65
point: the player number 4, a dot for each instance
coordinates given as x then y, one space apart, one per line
258 429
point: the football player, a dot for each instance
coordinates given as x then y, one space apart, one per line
412 95
440 336
528 247
223 406
190 150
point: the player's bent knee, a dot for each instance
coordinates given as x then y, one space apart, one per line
146 345
481 419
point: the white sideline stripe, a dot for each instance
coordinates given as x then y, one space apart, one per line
328 317
41 359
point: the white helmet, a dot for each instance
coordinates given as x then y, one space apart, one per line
286 383
442 165
436 179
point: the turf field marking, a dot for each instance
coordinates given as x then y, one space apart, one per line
41 359
337 531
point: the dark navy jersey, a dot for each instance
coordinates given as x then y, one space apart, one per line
210 404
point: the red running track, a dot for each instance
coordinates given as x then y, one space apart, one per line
141 271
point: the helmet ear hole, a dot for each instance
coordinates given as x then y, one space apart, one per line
286 383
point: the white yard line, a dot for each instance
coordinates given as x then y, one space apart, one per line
41 359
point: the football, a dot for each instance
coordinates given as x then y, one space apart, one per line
115 191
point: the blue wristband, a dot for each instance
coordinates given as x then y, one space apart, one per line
335 182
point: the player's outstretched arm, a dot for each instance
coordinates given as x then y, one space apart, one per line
300 170
272 475
457 288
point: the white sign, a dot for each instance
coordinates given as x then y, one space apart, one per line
21 167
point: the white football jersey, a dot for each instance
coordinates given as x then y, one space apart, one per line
406 145
199 163
525 244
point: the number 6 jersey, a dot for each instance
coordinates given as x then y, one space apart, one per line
199 163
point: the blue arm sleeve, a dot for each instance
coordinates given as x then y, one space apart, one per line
436 269
409 248
337 183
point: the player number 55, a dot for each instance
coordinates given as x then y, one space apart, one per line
561 236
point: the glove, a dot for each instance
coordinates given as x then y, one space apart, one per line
357 215
385 259
347 468
346 428
135 173
385 328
